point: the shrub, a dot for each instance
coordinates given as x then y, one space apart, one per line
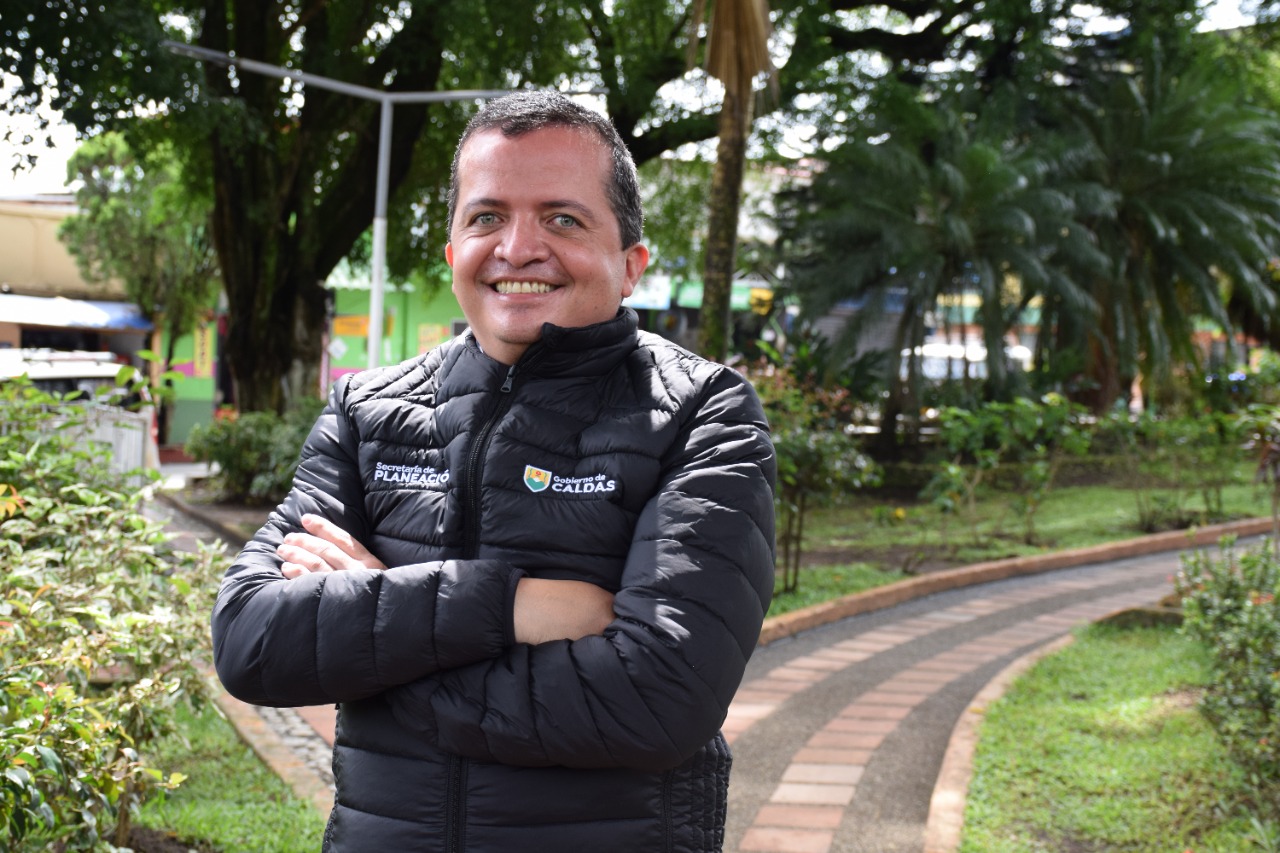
1168 461
256 453
1024 443
1262 425
1230 602
102 630
817 457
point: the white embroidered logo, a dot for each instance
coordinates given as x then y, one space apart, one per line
410 475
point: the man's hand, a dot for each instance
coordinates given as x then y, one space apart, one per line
547 610
325 547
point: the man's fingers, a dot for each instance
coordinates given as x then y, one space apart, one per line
293 570
313 555
329 532
324 547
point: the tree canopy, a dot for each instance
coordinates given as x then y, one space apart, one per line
1127 195
292 169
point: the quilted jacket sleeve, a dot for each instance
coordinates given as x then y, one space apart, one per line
657 686
341 636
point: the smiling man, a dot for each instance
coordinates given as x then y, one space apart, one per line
531 564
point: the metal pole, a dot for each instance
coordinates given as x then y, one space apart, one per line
380 236
387 100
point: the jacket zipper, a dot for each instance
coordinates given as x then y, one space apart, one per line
475 466
470 550
475 461
454 808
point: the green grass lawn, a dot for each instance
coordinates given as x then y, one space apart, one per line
865 541
1120 759
229 799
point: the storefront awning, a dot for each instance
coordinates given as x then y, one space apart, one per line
62 313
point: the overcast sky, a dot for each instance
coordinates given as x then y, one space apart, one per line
50 173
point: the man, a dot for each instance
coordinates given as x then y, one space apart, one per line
531 564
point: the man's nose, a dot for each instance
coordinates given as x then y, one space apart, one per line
522 242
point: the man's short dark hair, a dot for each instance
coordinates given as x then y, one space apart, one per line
524 112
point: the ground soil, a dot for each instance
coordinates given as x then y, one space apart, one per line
912 559
146 840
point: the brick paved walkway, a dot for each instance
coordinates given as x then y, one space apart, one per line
840 768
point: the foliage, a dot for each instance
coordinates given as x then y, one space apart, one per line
102 630
815 361
291 166
1023 442
817 457
256 453
1125 206
1262 425
938 209
232 800
139 223
1193 177
1230 604
1167 461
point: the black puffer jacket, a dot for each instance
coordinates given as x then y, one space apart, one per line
606 455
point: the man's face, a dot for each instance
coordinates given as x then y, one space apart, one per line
534 239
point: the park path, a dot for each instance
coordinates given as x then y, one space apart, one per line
840 732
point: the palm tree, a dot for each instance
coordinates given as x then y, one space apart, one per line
1194 180
737 53
911 220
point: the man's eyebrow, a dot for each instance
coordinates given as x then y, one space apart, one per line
566 204
482 203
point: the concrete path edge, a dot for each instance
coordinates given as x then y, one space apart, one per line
790 624
950 793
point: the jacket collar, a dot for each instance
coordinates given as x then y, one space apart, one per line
580 351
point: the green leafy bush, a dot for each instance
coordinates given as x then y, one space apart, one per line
1167 462
255 453
817 456
1022 444
1231 602
102 630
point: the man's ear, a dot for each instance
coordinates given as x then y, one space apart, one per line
637 259
448 254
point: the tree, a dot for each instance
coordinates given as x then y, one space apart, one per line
1194 175
737 53
138 223
930 212
292 170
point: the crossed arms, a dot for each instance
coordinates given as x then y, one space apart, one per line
485 662
543 609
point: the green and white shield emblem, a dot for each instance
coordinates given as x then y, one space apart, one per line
536 479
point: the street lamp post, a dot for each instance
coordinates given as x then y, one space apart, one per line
388 100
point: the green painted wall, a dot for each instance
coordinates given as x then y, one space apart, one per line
415 323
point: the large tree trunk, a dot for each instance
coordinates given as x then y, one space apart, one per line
279 229
716 320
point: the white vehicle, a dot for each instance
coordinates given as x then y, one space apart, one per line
938 361
118 420
62 372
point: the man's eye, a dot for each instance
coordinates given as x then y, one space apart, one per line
485 219
564 220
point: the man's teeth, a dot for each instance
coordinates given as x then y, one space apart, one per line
522 287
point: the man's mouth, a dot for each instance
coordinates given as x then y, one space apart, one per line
506 287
